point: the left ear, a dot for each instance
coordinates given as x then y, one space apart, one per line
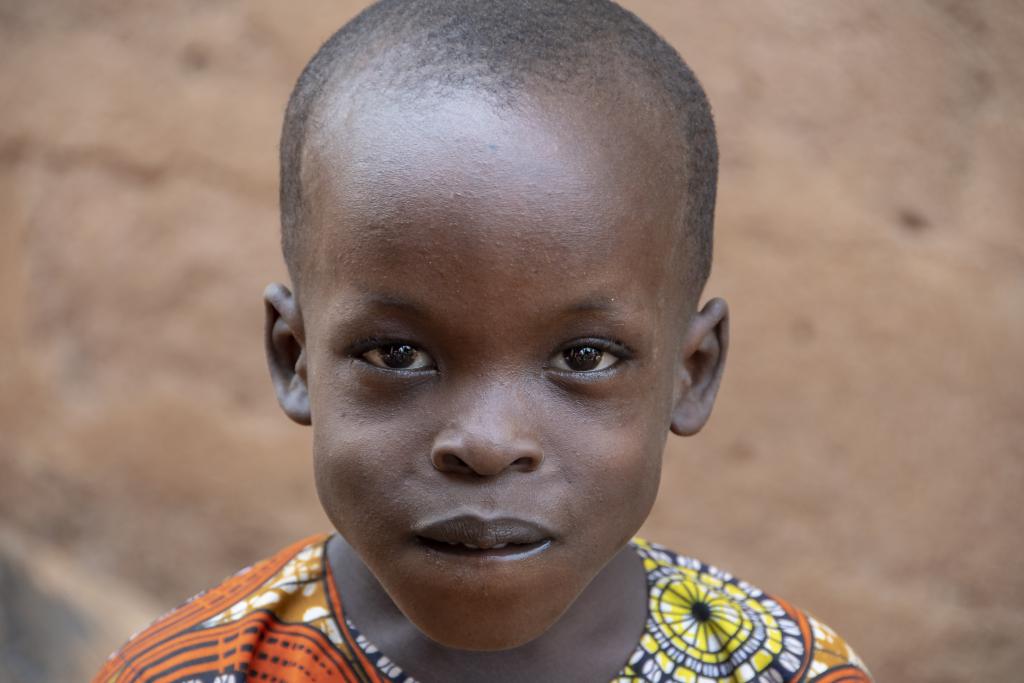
705 344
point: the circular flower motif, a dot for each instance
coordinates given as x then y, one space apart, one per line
698 621
705 623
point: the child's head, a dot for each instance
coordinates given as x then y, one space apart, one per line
497 219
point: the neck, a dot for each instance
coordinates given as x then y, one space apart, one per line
590 642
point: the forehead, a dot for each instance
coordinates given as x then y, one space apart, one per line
580 147
555 189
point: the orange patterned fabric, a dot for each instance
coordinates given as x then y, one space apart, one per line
281 620
270 622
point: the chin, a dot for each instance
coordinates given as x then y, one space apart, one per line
487 615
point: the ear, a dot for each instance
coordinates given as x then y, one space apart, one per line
284 339
705 344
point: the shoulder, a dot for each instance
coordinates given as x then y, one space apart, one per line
705 624
275 615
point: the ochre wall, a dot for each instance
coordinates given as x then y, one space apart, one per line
867 455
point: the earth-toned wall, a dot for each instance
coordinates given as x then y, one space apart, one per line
866 459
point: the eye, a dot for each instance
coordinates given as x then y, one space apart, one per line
398 357
583 358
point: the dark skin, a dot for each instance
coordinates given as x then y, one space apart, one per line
492 340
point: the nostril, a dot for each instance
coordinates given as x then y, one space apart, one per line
461 454
525 463
449 462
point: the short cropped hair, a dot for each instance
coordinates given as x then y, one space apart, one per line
500 48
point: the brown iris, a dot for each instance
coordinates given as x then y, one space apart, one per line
582 358
397 356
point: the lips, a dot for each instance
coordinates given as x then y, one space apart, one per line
473 536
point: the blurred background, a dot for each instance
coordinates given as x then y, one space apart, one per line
866 459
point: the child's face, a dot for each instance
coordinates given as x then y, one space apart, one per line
496 341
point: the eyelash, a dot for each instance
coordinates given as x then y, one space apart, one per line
369 343
363 346
618 349
609 345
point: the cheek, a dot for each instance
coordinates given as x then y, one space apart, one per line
625 435
364 463
626 455
623 464
612 472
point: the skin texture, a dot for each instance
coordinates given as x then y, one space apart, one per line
492 247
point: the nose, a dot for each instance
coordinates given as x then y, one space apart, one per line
459 451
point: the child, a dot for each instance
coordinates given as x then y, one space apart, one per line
497 221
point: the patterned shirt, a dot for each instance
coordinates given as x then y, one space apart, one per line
282 620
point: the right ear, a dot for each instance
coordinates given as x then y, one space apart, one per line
284 339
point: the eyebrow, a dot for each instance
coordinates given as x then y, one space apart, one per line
369 300
381 300
597 304
370 303
601 304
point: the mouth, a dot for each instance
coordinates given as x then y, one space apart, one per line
470 536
